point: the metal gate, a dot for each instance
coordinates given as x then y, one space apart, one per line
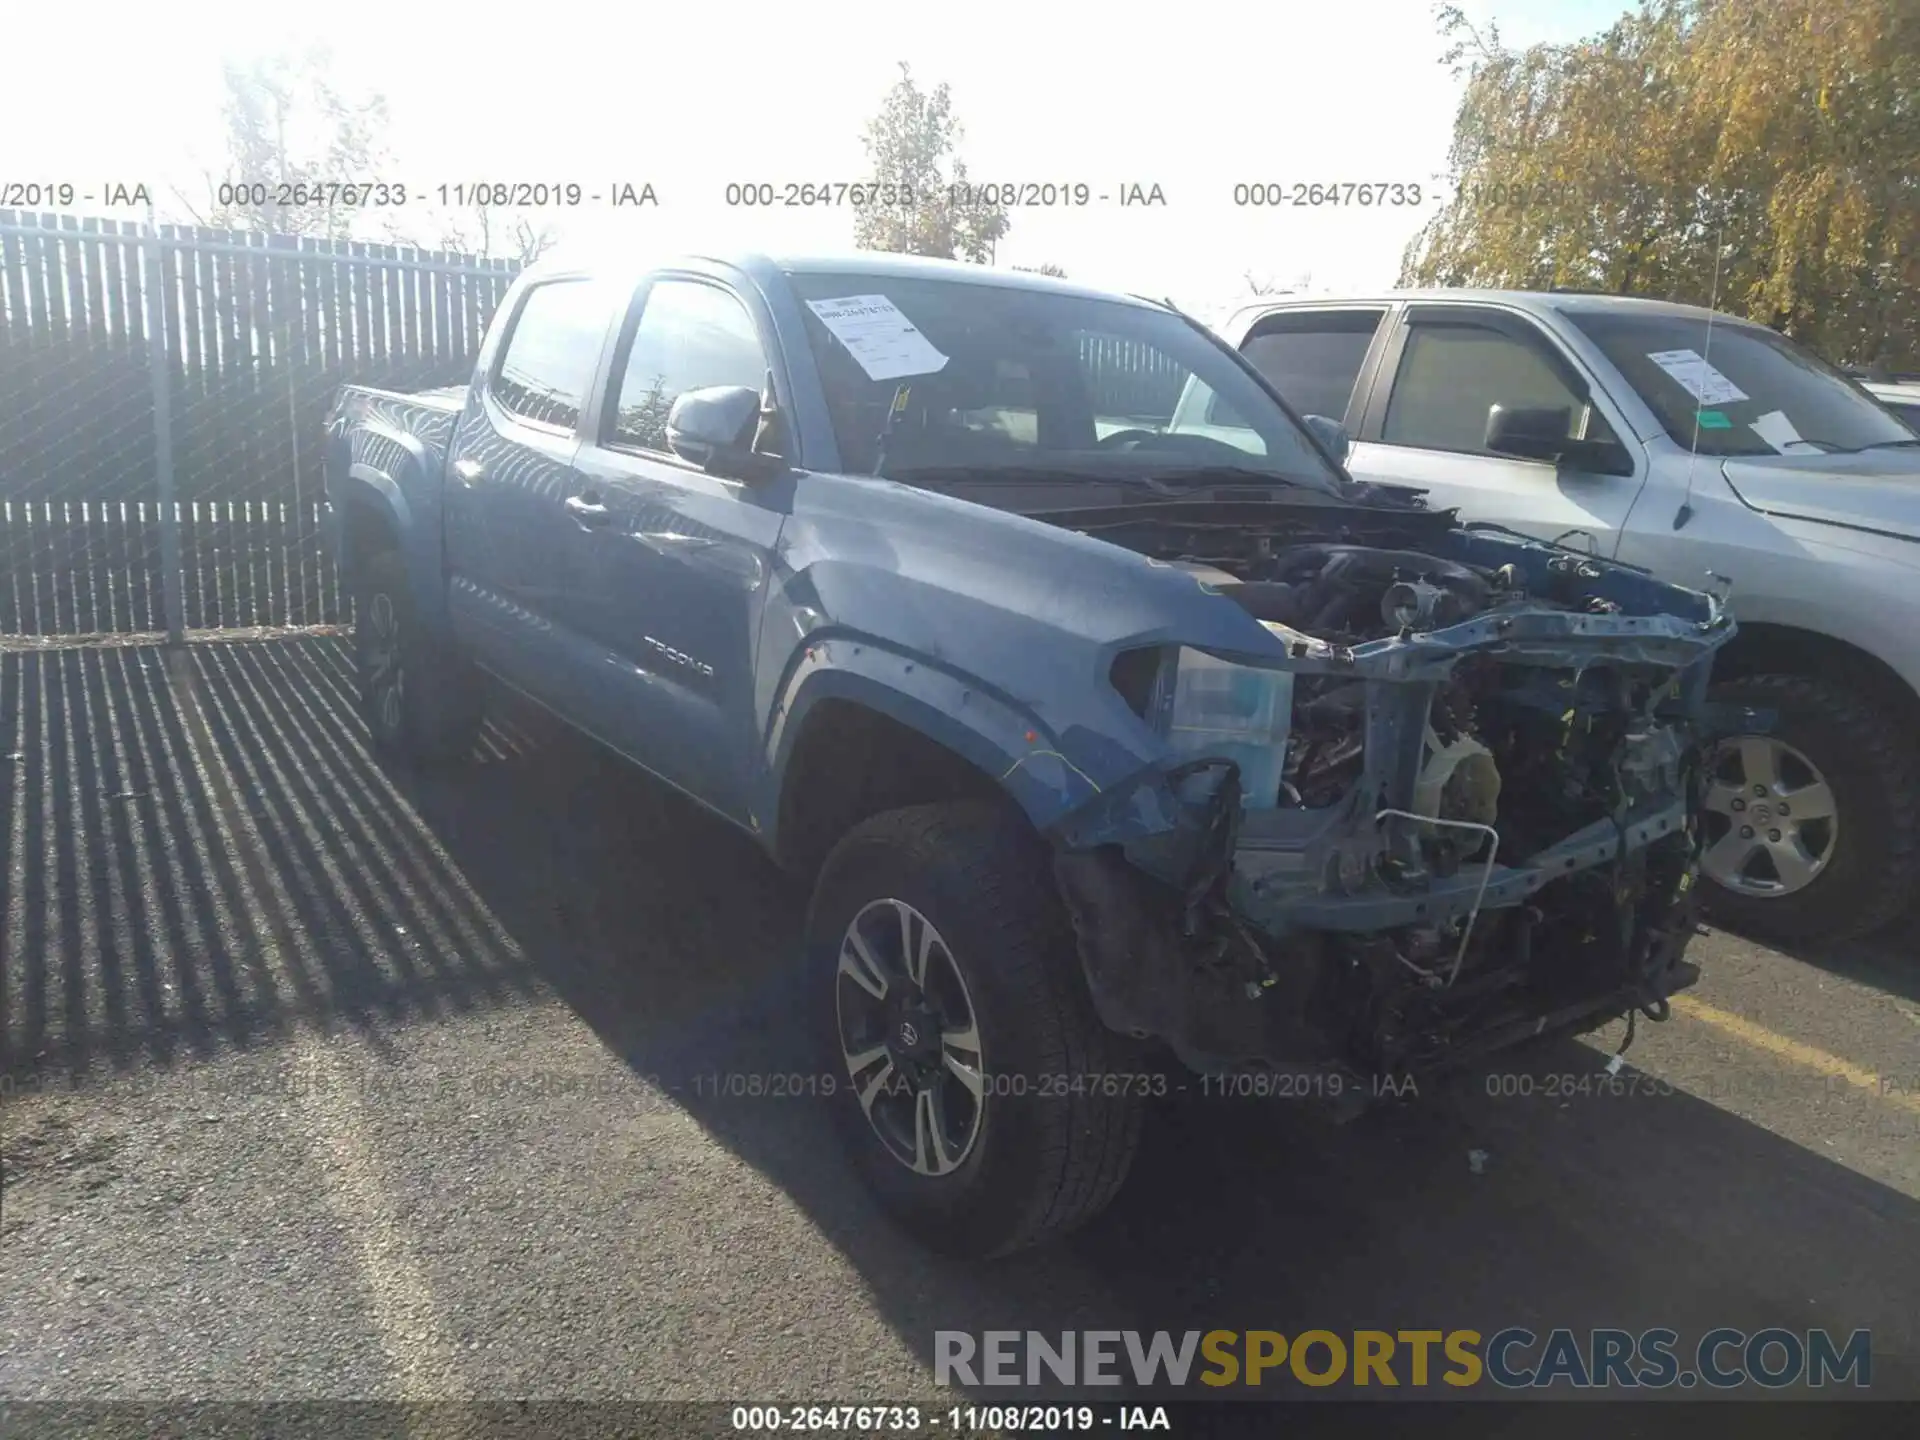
162 390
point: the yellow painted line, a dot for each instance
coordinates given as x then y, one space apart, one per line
1761 1038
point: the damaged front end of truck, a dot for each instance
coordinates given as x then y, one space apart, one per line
1462 815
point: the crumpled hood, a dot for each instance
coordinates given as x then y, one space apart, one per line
1878 490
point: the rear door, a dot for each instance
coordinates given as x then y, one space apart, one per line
1424 424
509 470
670 565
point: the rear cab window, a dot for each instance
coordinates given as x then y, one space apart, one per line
546 365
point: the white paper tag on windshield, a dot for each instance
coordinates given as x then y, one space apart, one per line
1699 379
1777 430
885 342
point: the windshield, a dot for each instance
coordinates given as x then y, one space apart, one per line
929 376
1747 391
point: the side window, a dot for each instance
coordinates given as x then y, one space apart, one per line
1313 359
690 336
551 352
1451 374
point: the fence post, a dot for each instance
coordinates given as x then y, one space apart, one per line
159 362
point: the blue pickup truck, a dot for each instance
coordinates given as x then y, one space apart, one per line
1103 739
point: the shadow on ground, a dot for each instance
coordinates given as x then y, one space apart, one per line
1886 960
548 869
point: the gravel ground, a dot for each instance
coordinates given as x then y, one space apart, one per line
326 1088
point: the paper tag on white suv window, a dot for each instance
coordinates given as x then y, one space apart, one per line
1777 430
886 343
1692 373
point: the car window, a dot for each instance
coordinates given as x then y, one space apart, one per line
974 375
1736 388
1451 374
551 352
1313 360
690 336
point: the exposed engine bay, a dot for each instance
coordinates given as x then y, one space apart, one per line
1350 594
1484 829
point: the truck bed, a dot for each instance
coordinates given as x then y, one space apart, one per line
446 397
365 417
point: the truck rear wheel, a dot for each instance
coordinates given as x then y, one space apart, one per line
1813 829
978 1094
421 704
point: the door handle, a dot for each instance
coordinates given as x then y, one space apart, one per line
588 514
469 472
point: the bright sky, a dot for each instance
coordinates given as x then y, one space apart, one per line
689 98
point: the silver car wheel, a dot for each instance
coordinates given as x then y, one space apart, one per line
910 1037
1771 817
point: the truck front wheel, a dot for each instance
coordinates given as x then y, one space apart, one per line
1812 829
978 1094
421 704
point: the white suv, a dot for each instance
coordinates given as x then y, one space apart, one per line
1900 396
1708 450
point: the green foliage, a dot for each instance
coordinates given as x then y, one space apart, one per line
912 144
643 422
1774 144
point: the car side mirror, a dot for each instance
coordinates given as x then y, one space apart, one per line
1529 434
1331 434
1541 434
715 427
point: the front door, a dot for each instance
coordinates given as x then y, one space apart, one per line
1447 368
672 564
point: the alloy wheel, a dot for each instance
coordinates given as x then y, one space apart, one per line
1771 817
910 1037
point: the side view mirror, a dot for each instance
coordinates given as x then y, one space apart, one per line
1332 434
715 427
1528 434
1541 434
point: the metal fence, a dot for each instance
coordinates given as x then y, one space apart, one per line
162 391
1130 378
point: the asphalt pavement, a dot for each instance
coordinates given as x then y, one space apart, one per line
323 1085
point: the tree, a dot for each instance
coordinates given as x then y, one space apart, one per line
287 129
1774 144
911 145
488 232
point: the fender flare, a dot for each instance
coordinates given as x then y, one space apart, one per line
1003 741
368 487
373 489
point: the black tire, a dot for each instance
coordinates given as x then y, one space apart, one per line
1869 761
424 707
1043 1161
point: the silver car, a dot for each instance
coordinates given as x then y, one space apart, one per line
1900 396
1713 452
